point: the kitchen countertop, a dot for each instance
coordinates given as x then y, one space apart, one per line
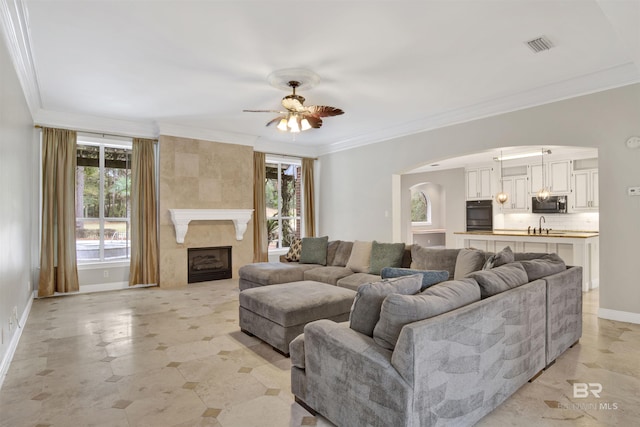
571 234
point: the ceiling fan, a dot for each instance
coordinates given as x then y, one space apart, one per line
297 117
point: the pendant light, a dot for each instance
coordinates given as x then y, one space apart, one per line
543 193
501 197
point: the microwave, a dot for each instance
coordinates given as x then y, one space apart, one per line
554 204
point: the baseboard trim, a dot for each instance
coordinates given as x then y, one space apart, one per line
620 316
13 345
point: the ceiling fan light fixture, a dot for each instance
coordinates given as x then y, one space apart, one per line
282 125
305 125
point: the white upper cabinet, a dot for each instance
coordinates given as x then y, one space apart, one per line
585 186
516 185
559 178
479 184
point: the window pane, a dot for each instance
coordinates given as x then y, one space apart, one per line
290 178
273 233
418 207
87 240
87 192
117 242
290 231
117 182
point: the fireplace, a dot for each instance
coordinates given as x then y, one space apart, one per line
206 264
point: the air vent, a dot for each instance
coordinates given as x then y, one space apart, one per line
540 44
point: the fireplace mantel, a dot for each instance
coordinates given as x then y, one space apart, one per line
182 217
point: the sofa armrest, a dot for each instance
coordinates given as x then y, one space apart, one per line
564 311
350 379
464 363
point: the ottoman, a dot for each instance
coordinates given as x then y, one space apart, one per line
278 313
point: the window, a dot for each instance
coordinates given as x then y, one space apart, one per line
283 200
420 208
103 185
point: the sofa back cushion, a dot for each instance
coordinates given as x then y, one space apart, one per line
505 256
385 255
429 277
500 279
545 266
343 252
332 248
468 261
360 257
399 310
314 250
434 259
365 310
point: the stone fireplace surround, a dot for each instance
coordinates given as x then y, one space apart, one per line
202 175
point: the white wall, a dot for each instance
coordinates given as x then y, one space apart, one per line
351 210
18 198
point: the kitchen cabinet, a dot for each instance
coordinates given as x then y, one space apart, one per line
585 191
559 177
516 188
479 183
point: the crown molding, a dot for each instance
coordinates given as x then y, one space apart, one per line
13 17
84 122
292 148
622 75
183 131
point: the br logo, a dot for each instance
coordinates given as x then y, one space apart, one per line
582 390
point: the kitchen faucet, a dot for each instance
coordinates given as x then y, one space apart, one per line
540 223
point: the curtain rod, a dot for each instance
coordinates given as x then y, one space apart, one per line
99 133
286 155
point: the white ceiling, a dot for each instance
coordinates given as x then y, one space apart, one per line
395 67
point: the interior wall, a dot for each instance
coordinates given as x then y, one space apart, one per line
197 174
603 120
450 216
18 178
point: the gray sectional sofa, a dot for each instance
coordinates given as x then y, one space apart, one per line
446 355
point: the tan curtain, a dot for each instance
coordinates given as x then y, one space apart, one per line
144 224
309 204
58 269
260 240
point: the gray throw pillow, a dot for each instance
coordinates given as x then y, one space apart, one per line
468 261
500 279
385 255
365 310
314 250
429 277
545 266
434 259
505 256
399 310
332 249
342 254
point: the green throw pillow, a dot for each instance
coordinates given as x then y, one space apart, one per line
385 255
314 250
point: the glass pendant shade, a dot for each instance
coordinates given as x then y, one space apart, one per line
304 124
543 193
502 197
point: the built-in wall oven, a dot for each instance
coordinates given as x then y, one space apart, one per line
479 215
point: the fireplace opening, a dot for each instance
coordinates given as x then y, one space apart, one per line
207 264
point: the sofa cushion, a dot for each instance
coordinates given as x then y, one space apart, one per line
343 252
365 310
500 279
398 310
434 259
385 255
360 257
356 279
545 266
271 273
332 248
314 250
328 274
294 251
503 257
429 277
468 261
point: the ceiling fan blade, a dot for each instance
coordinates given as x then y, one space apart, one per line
264 111
276 120
315 122
323 111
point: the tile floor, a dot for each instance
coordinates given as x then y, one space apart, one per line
152 357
